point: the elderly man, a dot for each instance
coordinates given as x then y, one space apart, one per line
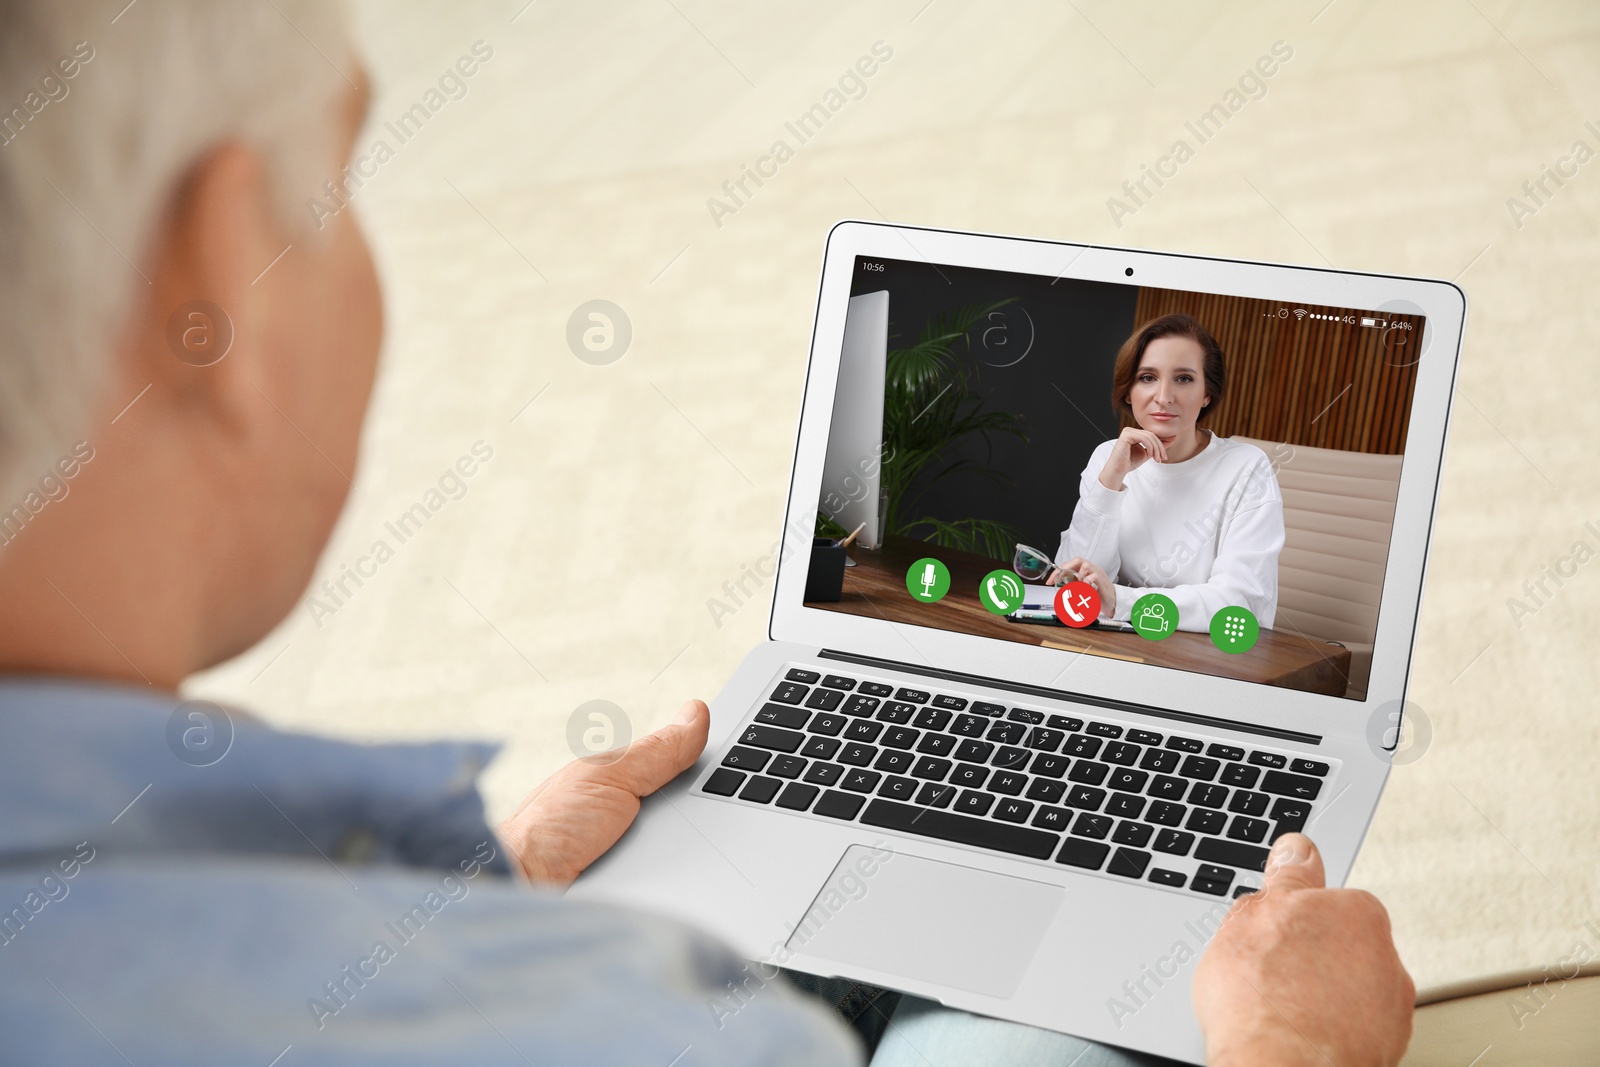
180 884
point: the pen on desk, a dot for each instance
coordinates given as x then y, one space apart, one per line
846 542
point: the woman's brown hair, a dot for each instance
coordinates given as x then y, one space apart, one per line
1126 367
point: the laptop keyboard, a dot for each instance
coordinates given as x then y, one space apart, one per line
1169 809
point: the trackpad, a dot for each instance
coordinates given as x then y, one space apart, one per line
939 922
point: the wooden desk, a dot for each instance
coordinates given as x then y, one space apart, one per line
876 587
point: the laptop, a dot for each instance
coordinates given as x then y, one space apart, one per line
915 783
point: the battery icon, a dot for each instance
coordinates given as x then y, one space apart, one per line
1380 323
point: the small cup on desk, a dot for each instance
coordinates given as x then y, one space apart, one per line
825 576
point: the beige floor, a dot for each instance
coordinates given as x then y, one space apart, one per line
579 562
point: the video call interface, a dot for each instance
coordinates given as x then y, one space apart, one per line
1184 479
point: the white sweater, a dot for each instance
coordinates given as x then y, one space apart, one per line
1206 532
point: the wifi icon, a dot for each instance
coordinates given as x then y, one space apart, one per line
1001 592
1299 313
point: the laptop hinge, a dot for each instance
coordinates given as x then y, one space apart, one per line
1076 698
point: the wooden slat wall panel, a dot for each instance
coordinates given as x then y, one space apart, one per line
1285 376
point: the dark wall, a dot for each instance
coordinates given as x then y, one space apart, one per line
1070 331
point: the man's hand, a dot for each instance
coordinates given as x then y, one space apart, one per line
1300 974
571 818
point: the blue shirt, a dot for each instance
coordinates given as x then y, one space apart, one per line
180 885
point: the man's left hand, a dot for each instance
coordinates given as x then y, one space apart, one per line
576 814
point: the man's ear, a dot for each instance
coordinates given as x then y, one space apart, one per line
197 338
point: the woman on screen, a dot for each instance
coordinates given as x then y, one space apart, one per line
1168 506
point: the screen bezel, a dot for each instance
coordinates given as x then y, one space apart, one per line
1441 302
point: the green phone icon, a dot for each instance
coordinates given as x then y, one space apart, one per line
1001 591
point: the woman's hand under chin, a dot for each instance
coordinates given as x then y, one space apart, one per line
1134 446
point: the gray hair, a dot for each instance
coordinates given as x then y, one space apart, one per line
102 115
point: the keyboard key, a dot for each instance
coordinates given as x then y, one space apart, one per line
1242 890
1044 739
897 787
937 796
1125 805
857 754
746 759
800 674
894 761
1086 798
819 748
1184 744
1128 780
1049 818
1025 715
970 751
1128 862
1046 790
774 738
782 715
1166 787
861 781
837 805
723 782
1008 782
1213 880
1160 760
1244 828
863 730
1088 825
1306 766
1240 775
790 693
875 689
1225 752
932 719
1247 803
899 737
839 681
858 704
972 802
1200 767
982 708
1007 733
787 767
896 712
932 768
950 703
1289 817
948 826
824 699
911 696
1080 853
824 773
1064 722
1268 759
828 724
936 744
1172 878
1144 737
1011 757
1205 821
1088 772
1013 810
1050 766
1207 795
760 789
1284 784
1163 813
1082 746
1174 842
1121 753
797 797
1232 853
1136 834
969 775
1104 729
969 725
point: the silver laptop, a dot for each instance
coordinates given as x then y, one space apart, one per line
926 780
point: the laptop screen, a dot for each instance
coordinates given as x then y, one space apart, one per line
1185 479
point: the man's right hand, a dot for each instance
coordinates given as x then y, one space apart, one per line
1301 974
